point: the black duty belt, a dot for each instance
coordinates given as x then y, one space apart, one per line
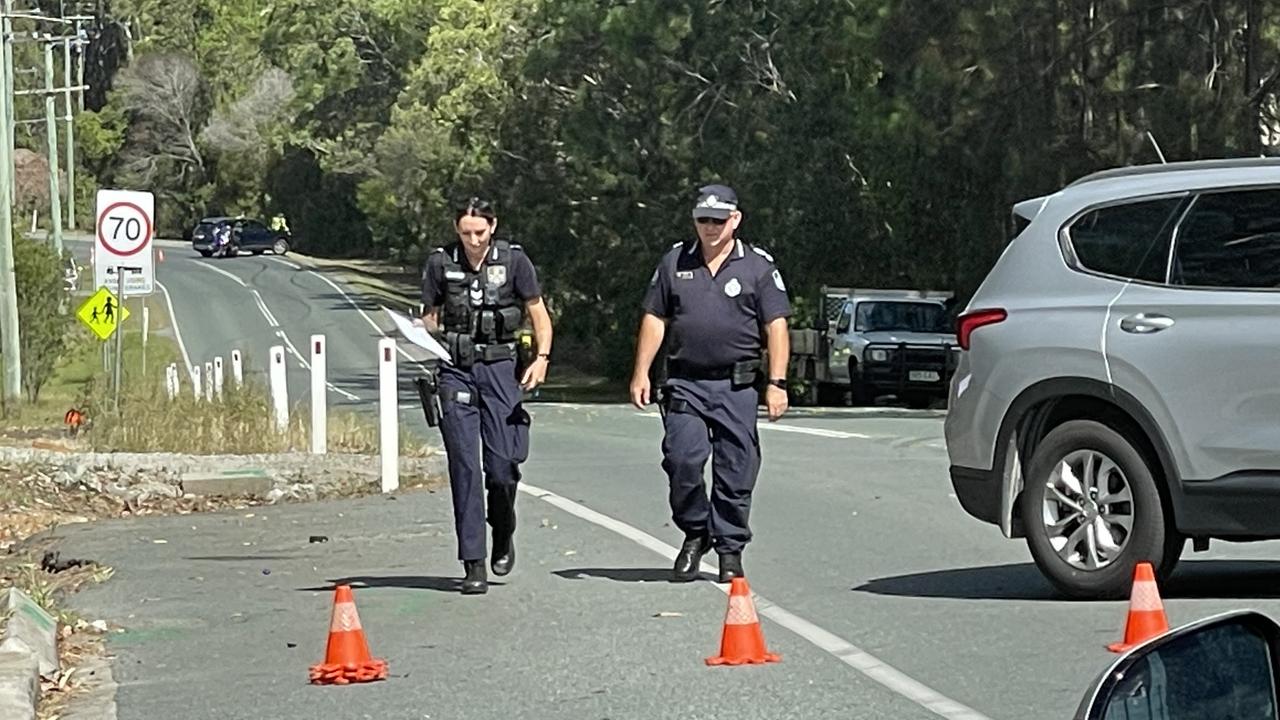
741 372
492 353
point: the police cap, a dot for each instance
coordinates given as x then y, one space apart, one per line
715 201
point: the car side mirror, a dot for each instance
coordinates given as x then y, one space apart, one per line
1221 667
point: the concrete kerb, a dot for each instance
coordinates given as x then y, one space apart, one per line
19 684
97 700
28 651
219 474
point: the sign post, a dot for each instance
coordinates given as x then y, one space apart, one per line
123 235
119 339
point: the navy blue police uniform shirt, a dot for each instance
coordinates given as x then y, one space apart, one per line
522 274
716 321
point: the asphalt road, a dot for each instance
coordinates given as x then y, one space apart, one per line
883 597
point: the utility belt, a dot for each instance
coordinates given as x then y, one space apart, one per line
467 352
744 372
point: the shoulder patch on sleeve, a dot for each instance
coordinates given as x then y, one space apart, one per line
762 253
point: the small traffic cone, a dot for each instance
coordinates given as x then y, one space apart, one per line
1146 611
347 658
743 641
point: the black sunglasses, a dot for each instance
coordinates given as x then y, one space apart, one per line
712 221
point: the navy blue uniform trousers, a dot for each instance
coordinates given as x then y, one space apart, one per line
711 419
487 428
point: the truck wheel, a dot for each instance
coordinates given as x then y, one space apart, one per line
1092 512
828 394
859 394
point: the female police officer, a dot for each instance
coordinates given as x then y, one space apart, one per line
475 292
717 296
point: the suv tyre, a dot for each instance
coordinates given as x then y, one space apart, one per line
1108 497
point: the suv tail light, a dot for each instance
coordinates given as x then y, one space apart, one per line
970 321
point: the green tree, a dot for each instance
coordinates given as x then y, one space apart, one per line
42 312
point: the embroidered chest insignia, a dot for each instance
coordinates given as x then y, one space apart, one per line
733 288
496 275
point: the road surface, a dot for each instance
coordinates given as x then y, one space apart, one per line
884 599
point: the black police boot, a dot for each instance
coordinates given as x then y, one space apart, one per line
504 551
690 557
730 566
502 511
476 582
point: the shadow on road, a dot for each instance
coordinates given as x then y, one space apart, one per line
1193 579
618 574
409 582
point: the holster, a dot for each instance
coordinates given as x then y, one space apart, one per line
429 395
746 372
668 404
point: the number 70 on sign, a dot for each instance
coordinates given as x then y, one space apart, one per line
125 222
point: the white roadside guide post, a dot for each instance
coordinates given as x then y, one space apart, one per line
171 380
279 390
319 424
217 376
388 415
146 324
208 381
237 369
195 381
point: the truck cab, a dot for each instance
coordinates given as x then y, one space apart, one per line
879 342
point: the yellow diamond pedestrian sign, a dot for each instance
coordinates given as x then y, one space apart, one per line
102 313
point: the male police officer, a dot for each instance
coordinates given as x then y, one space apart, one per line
474 294
718 296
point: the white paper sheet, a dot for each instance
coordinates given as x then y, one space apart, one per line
414 332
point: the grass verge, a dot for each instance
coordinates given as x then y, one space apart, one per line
240 421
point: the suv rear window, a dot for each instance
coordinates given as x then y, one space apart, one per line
1129 241
204 230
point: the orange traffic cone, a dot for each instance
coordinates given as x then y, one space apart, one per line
347 657
1146 611
743 641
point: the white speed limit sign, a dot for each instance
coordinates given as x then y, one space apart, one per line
122 239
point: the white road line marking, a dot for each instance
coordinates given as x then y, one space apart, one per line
819 432
307 366
173 320
293 350
286 262
220 271
342 392
262 305
368 319
266 312
841 649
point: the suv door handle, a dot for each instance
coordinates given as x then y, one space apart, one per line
1146 323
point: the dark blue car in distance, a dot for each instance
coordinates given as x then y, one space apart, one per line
226 236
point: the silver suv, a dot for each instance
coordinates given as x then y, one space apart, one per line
1118 389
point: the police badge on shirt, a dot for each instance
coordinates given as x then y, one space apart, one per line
496 275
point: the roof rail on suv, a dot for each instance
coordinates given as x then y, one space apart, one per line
1181 166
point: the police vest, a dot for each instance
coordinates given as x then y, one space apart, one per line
481 304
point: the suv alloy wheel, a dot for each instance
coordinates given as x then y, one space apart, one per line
1092 512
